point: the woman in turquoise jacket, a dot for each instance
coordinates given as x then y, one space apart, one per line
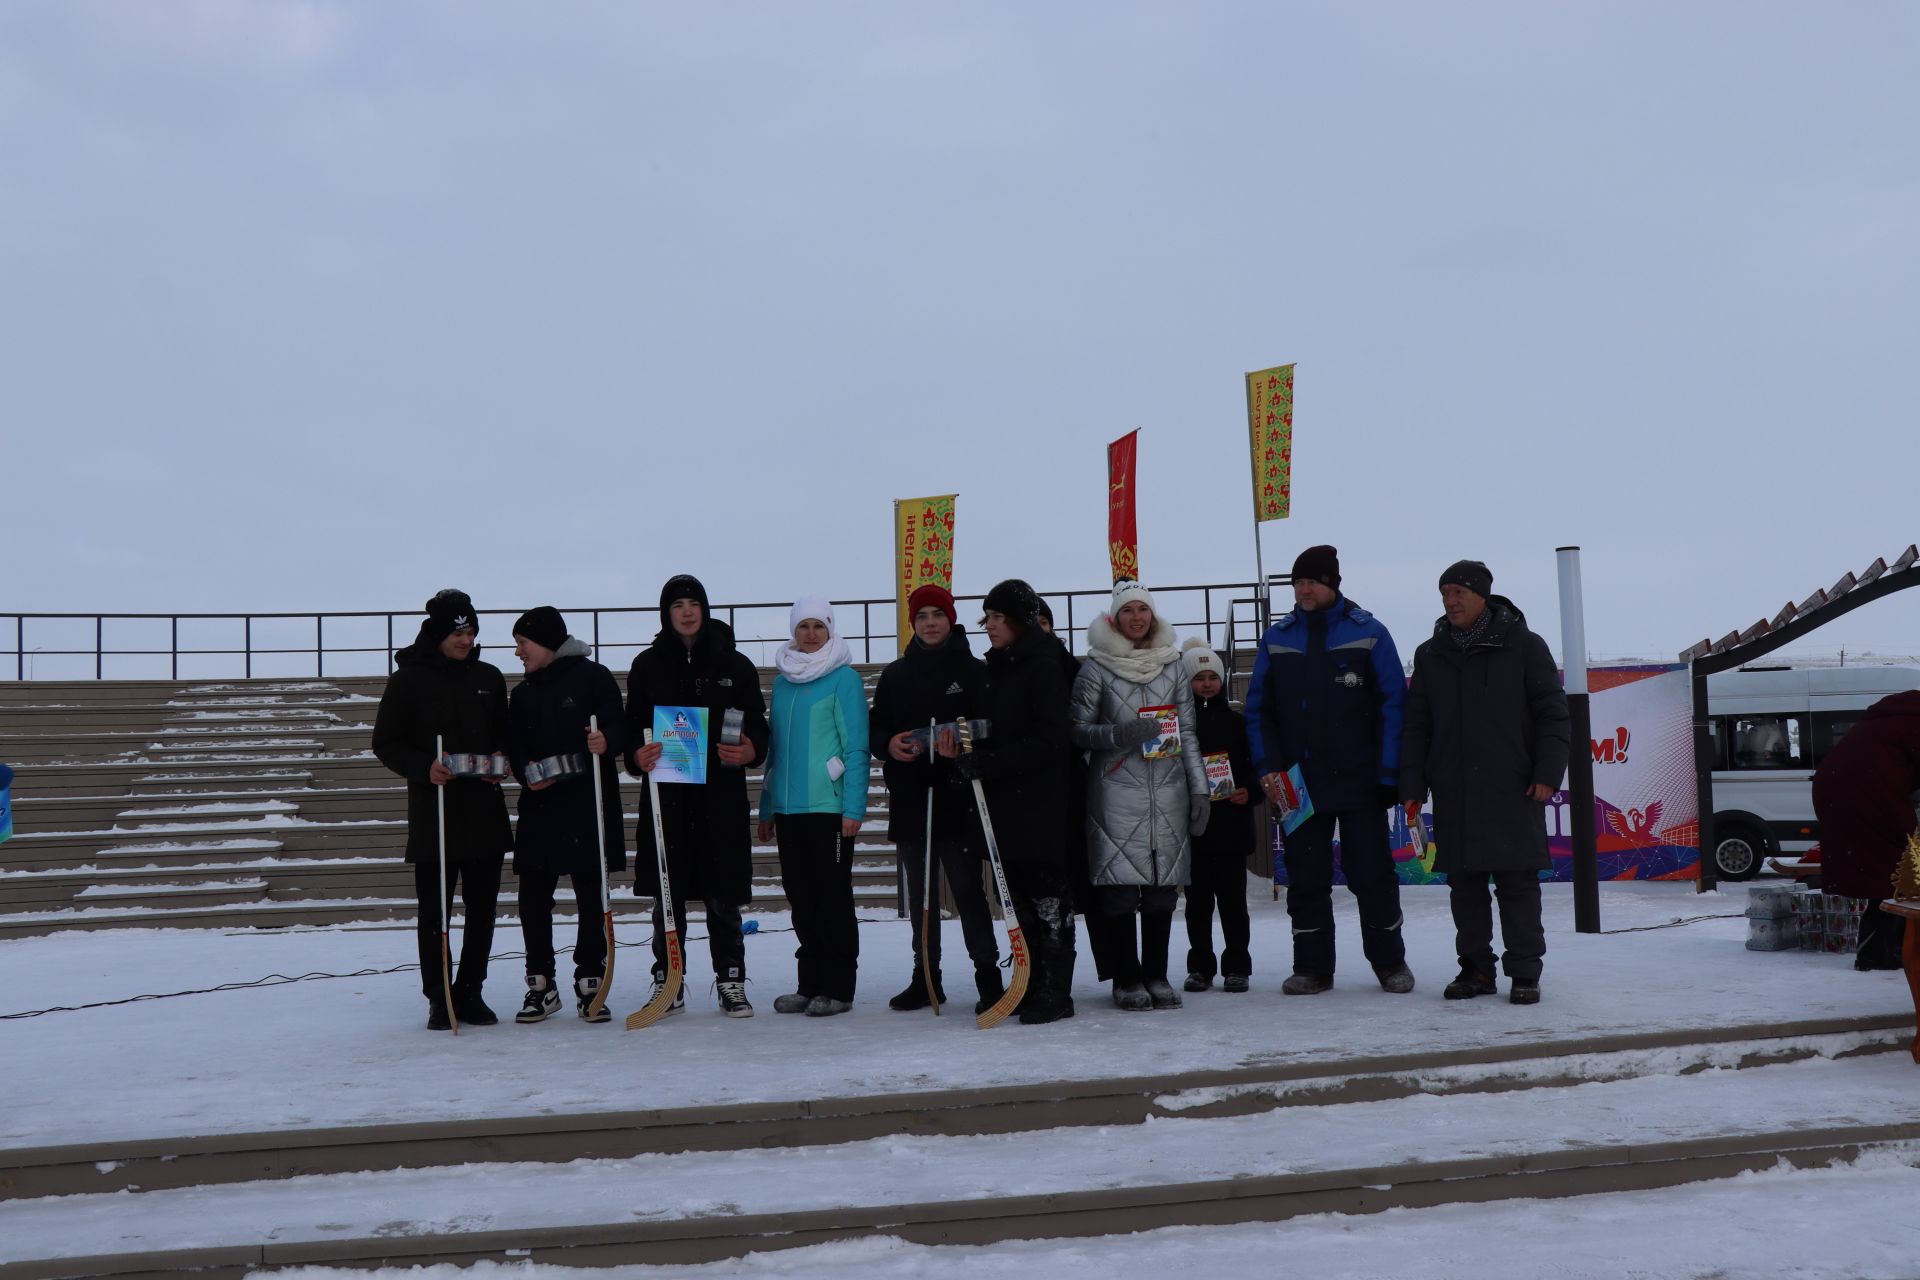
813 800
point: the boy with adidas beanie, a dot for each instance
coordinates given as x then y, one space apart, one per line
935 678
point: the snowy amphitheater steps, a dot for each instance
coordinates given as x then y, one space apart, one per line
118 781
1342 1135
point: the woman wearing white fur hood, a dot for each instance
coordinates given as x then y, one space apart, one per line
1146 787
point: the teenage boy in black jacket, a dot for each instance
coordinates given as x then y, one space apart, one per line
559 833
937 679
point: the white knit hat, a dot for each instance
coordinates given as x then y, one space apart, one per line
1196 657
818 608
1125 592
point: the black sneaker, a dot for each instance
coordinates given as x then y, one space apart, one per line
733 999
471 1009
584 990
679 997
437 1015
913 996
542 1000
1524 993
1470 983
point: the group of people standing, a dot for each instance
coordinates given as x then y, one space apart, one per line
1093 775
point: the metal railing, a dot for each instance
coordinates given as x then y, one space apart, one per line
314 645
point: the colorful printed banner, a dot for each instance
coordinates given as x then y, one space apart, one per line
922 550
1645 810
6 802
1270 424
1123 536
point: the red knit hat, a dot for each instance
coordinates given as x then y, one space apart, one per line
929 594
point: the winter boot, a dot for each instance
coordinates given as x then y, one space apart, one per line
1395 979
733 999
1471 982
1306 984
913 996
1131 996
1055 945
991 986
542 1000
793 1002
584 990
471 1009
1235 982
1162 995
437 1019
1524 992
827 1007
1199 982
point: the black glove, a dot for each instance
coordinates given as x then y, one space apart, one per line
1133 733
1387 797
968 766
1199 809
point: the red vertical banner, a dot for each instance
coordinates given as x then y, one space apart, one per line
1123 536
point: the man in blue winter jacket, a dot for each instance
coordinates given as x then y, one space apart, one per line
1328 695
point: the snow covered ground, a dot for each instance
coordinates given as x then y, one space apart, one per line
353 1049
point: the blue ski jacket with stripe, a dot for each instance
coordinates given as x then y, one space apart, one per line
1328 695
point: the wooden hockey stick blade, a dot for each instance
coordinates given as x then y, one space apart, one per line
1017 988
926 964
599 1000
656 1008
446 983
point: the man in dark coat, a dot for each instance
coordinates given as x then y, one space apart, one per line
440 689
1488 731
693 663
1219 852
559 834
1864 794
1327 695
1103 930
1022 767
937 679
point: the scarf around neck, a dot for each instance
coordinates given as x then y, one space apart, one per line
802 668
1106 646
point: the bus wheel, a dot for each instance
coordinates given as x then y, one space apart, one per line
1737 851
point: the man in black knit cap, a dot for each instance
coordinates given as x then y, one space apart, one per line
1488 732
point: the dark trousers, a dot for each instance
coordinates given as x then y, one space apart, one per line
1525 938
536 923
816 869
962 866
726 945
479 886
1366 855
1221 883
1044 883
1118 904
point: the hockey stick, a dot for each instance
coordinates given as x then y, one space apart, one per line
656 1008
446 906
1016 941
926 905
599 1000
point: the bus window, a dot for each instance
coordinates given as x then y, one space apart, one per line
1766 742
1828 728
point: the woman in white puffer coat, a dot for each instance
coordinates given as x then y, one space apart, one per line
1146 791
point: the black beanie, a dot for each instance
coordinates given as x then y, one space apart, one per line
1318 564
544 626
1470 574
449 611
684 586
1019 602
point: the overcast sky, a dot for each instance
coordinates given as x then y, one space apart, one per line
326 306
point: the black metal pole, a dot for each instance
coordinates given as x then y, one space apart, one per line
1703 781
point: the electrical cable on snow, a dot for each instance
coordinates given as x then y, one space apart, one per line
281 980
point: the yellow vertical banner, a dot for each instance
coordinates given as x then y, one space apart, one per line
922 551
1270 423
